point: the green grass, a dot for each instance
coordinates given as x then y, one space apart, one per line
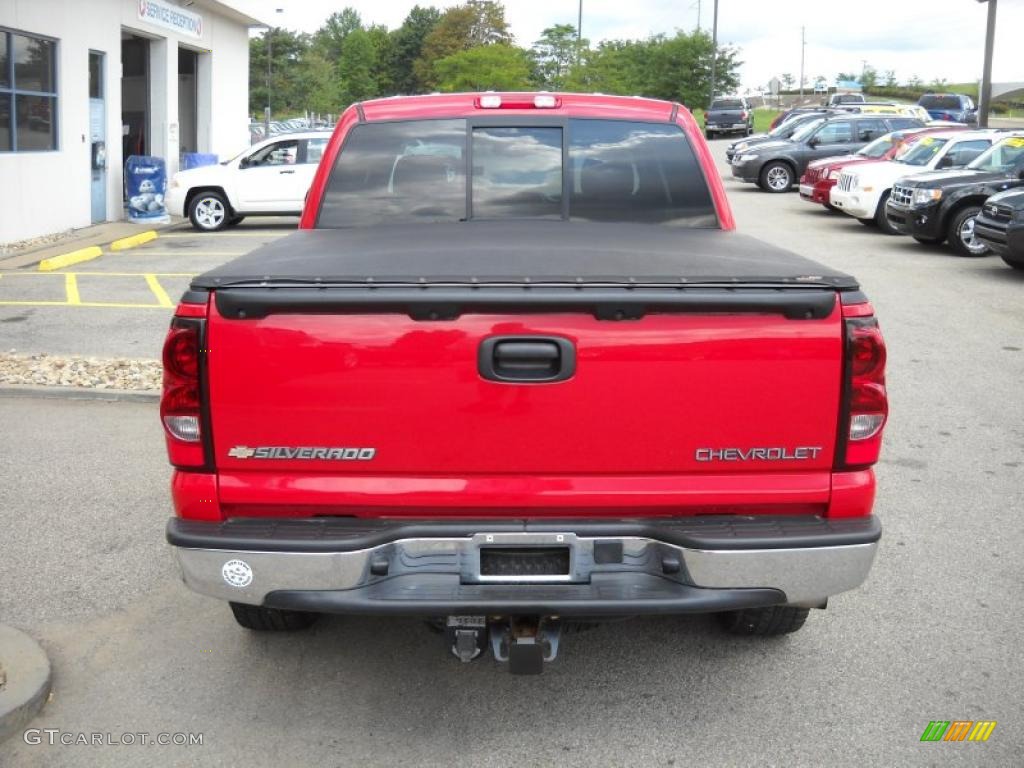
763 117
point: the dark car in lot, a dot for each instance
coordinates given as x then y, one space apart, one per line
1000 225
952 107
788 114
733 115
776 165
784 131
942 205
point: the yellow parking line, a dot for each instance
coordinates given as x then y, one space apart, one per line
71 288
158 291
182 252
99 274
272 235
109 305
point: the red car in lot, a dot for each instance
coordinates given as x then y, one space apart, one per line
822 175
517 369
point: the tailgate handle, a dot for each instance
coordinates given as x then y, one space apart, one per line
541 359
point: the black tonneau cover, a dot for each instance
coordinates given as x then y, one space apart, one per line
522 252
439 271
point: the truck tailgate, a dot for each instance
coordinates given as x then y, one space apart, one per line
668 393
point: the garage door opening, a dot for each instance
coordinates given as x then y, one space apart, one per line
188 100
135 110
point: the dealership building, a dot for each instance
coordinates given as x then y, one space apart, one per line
84 85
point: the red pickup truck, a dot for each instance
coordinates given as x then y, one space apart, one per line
516 370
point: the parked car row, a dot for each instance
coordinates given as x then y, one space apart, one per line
258 129
775 166
936 183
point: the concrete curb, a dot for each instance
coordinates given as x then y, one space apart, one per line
25 677
69 258
80 393
130 242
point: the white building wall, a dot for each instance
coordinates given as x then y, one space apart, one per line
48 192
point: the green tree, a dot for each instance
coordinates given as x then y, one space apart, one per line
330 38
915 82
324 86
555 53
288 85
499 67
356 68
868 77
479 22
845 76
407 46
787 81
890 78
383 55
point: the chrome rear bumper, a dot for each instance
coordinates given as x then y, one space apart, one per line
606 573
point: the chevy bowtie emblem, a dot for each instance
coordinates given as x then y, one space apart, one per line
302 453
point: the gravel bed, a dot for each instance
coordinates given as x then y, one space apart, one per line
75 371
32 243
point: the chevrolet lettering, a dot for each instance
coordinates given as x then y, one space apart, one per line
803 453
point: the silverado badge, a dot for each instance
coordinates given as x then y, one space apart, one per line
302 453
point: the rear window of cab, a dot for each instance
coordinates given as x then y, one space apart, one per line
456 170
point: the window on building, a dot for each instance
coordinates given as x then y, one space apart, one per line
28 93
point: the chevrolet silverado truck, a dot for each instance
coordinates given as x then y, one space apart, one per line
1000 225
942 205
516 370
776 165
731 115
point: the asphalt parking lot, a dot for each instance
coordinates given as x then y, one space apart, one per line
119 304
933 635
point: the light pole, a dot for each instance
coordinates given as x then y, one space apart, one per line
714 53
986 73
270 59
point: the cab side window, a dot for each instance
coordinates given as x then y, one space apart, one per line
278 153
315 150
965 152
869 130
835 133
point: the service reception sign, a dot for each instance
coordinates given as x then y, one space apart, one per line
163 14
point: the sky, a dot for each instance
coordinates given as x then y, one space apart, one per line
927 38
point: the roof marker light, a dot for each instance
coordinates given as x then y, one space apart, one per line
545 101
490 102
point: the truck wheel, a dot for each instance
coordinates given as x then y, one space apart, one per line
1014 263
884 226
209 212
709 135
270 619
776 177
961 233
764 622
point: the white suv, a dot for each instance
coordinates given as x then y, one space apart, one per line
863 189
270 178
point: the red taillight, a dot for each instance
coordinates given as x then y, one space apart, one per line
743 115
181 400
867 405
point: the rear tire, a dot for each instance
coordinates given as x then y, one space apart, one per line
961 234
776 177
884 225
270 619
764 622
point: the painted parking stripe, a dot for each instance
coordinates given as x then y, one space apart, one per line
158 291
71 288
